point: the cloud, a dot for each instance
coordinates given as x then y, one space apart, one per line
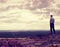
42 3
3 1
28 4
58 5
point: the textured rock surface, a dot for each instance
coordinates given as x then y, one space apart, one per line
47 41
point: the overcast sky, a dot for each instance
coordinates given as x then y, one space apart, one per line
28 14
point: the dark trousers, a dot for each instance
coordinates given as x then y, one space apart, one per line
52 29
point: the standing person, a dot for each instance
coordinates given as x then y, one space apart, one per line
52 20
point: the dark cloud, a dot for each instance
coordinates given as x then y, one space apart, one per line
45 3
38 4
3 1
58 5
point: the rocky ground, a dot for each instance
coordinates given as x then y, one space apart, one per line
46 41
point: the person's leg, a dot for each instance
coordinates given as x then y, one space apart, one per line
53 29
50 28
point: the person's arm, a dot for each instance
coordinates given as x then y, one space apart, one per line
54 20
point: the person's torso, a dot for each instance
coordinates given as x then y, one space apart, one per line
51 20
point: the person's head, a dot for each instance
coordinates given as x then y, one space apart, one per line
51 15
